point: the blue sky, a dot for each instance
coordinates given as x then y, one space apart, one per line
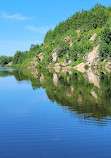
23 22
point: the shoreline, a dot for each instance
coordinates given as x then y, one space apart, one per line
66 68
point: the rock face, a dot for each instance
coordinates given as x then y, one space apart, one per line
41 56
93 93
91 56
54 55
93 37
80 67
68 39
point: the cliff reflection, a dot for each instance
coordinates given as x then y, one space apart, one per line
88 95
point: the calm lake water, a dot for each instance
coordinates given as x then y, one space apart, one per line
55 114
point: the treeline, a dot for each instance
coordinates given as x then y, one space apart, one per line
20 57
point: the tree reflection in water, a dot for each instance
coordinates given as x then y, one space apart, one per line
87 95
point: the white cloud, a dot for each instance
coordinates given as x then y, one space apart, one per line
41 30
16 16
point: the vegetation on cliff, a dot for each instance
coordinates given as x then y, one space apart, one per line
69 42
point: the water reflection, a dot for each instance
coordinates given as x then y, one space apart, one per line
87 96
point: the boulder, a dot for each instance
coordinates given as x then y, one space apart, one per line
41 56
54 55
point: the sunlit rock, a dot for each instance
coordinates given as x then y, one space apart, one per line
91 56
54 55
80 67
93 93
90 59
41 56
93 37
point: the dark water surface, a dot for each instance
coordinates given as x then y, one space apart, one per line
52 114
